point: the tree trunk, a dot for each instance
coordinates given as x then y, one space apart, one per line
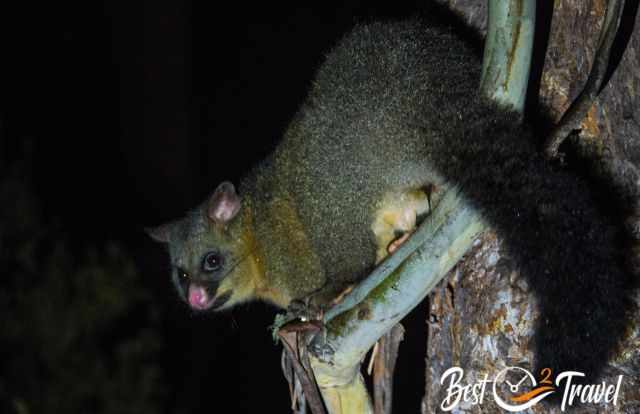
482 316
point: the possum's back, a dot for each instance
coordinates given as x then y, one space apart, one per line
379 96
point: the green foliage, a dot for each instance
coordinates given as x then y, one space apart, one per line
79 330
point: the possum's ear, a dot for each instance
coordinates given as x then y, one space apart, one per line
160 233
224 204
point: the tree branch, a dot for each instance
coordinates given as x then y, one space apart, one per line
507 52
580 107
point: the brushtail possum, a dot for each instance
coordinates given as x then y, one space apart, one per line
391 119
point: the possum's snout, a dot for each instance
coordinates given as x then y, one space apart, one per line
203 298
199 298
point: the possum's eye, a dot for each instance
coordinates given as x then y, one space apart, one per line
212 261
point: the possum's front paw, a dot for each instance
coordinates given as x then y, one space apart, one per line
314 333
310 325
305 310
313 306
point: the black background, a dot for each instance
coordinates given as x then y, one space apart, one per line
134 111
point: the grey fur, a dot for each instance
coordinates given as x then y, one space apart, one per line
359 135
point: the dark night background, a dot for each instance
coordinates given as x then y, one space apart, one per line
121 115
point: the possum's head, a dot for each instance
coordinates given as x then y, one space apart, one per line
209 252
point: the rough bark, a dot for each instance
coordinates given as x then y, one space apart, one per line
482 315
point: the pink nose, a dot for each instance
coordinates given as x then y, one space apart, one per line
198 297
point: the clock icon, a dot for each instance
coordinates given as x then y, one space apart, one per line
521 391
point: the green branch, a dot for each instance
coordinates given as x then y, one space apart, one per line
507 52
